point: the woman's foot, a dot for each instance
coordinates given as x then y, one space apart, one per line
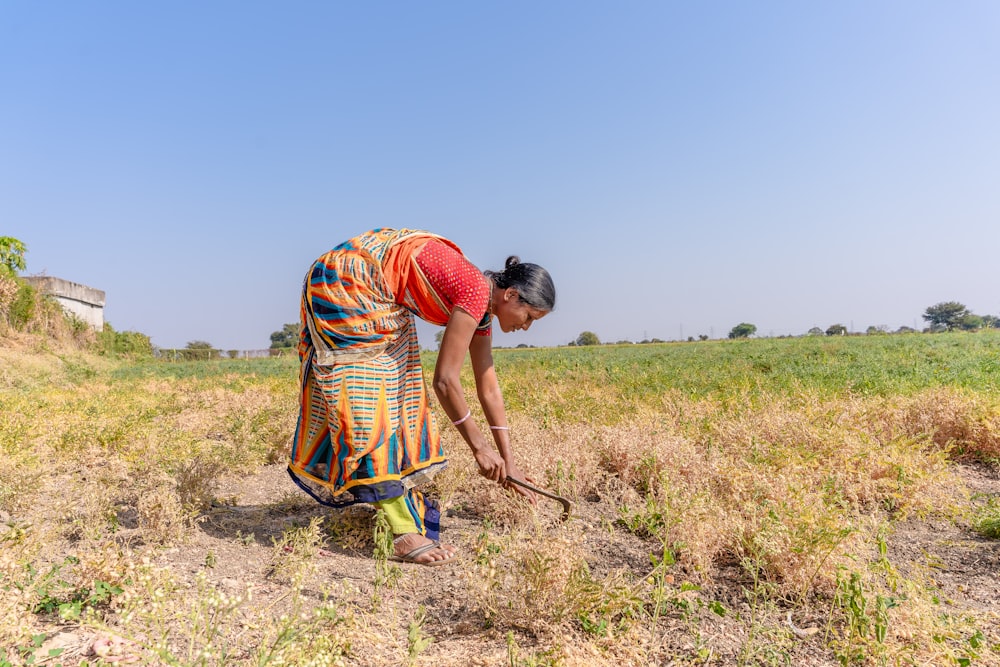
415 548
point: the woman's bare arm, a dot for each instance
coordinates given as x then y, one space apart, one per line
457 340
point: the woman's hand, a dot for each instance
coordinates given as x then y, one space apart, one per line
491 465
515 472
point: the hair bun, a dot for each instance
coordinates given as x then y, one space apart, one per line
532 282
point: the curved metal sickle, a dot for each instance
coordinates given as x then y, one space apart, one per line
542 492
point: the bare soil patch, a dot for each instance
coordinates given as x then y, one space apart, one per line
962 564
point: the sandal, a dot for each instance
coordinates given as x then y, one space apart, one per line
412 556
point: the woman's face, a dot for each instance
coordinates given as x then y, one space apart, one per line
513 314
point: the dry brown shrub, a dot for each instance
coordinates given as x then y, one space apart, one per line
20 476
161 514
679 482
196 480
454 480
350 528
964 422
524 580
18 546
8 289
293 558
563 459
247 425
788 486
92 473
108 562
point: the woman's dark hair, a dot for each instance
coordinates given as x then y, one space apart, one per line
532 282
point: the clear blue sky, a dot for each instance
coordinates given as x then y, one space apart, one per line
678 167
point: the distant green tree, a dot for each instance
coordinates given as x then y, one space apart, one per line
836 330
946 316
288 336
438 337
743 330
588 338
815 331
970 322
11 255
876 330
905 330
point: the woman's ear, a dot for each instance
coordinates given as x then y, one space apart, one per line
509 294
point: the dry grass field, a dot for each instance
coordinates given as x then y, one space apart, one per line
764 502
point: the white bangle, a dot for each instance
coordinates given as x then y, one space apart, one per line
499 428
467 415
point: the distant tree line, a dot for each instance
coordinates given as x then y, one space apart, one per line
944 316
952 315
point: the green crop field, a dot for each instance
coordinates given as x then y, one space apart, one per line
808 501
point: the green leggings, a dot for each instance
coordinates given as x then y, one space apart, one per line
412 513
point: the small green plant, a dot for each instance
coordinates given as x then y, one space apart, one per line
866 619
543 659
975 642
987 519
54 594
652 520
320 639
386 572
416 640
246 539
564 477
486 549
764 644
293 558
29 654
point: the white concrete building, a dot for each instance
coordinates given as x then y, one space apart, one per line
85 302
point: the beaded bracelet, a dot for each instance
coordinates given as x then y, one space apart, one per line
467 415
499 428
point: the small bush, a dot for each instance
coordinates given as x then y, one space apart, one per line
123 343
22 306
987 521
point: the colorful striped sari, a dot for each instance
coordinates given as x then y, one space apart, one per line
365 431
